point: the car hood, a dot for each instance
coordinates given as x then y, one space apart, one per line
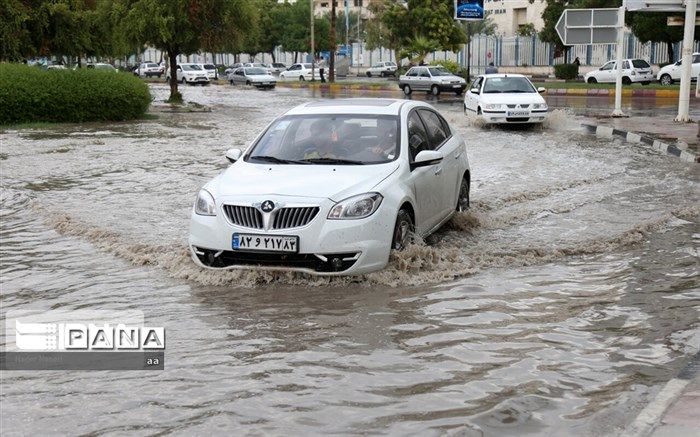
515 98
335 182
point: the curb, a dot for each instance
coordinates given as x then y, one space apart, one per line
609 132
339 87
651 416
605 92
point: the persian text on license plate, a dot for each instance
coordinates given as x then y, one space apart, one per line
518 113
265 243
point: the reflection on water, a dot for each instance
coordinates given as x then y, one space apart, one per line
558 305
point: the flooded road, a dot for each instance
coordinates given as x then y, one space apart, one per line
559 305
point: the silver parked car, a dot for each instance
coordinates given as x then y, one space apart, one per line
255 76
277 67
432 79
386 68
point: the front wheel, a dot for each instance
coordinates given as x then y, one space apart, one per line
407 90
626 81
403 230
463 196
368 74
301 78
666 80
184 82
434 90
592 80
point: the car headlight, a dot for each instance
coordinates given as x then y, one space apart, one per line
356 207
205 204
492 106
539 106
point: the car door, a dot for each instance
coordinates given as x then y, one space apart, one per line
441 139
239 76
607 72
471 101
427 180
425 79
178 73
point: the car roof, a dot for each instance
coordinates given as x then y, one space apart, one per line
503 75
354 106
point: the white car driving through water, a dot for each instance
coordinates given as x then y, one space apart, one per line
505 98
331 187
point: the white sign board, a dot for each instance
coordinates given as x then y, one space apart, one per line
657 5
588 26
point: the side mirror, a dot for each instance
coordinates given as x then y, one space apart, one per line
233 155
541 90
474 90
426 158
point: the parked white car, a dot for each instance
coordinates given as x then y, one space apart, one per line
382 69
191 74
301 72
505 98
258 65
277 67
331 187
434 79
633 70
212 72
149 69
672 72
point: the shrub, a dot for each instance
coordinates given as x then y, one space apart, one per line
566 71
452 66
29 94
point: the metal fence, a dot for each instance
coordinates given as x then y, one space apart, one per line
502 51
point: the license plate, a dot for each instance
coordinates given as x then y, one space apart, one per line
456 86
518 114
266 83
265 243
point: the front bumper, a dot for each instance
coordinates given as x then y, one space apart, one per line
265 84
444 87
501 117
326 247
198 79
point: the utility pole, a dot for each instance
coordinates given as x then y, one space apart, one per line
687 58
313 46
617 112
331 65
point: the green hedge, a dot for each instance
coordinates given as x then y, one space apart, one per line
30 94
566 71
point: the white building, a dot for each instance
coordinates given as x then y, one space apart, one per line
509 15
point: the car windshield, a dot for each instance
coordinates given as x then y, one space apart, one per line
191 67
329 139
306 66
209 67
278 65
439 71
639 63
152 65
391 64
104 67
255 71
508 85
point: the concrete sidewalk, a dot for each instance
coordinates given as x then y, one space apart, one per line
682 418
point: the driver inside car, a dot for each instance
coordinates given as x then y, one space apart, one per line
324 141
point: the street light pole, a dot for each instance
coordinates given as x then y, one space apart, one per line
618 64
687 58
313 46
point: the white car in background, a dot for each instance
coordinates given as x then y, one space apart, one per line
331 187
382 69
258 65
506 99
301 72
190 74
149 69
633 70
672 72
257 77
212 72
277 67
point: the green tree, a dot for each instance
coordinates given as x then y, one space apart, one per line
651 26
527 29
380 28
186 26
15 36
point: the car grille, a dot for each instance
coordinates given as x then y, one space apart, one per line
245 216
231 258
283 218
515 106
517 119
286 218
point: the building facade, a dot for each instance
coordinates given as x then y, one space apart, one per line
510 15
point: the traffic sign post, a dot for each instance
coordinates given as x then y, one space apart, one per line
596 26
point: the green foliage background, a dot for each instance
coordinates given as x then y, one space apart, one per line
30 94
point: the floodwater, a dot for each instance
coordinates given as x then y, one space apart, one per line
559 305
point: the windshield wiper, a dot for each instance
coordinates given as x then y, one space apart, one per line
332 161
491 92
276 160
516 91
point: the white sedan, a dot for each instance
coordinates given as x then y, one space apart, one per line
505 98
301 72
331 187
